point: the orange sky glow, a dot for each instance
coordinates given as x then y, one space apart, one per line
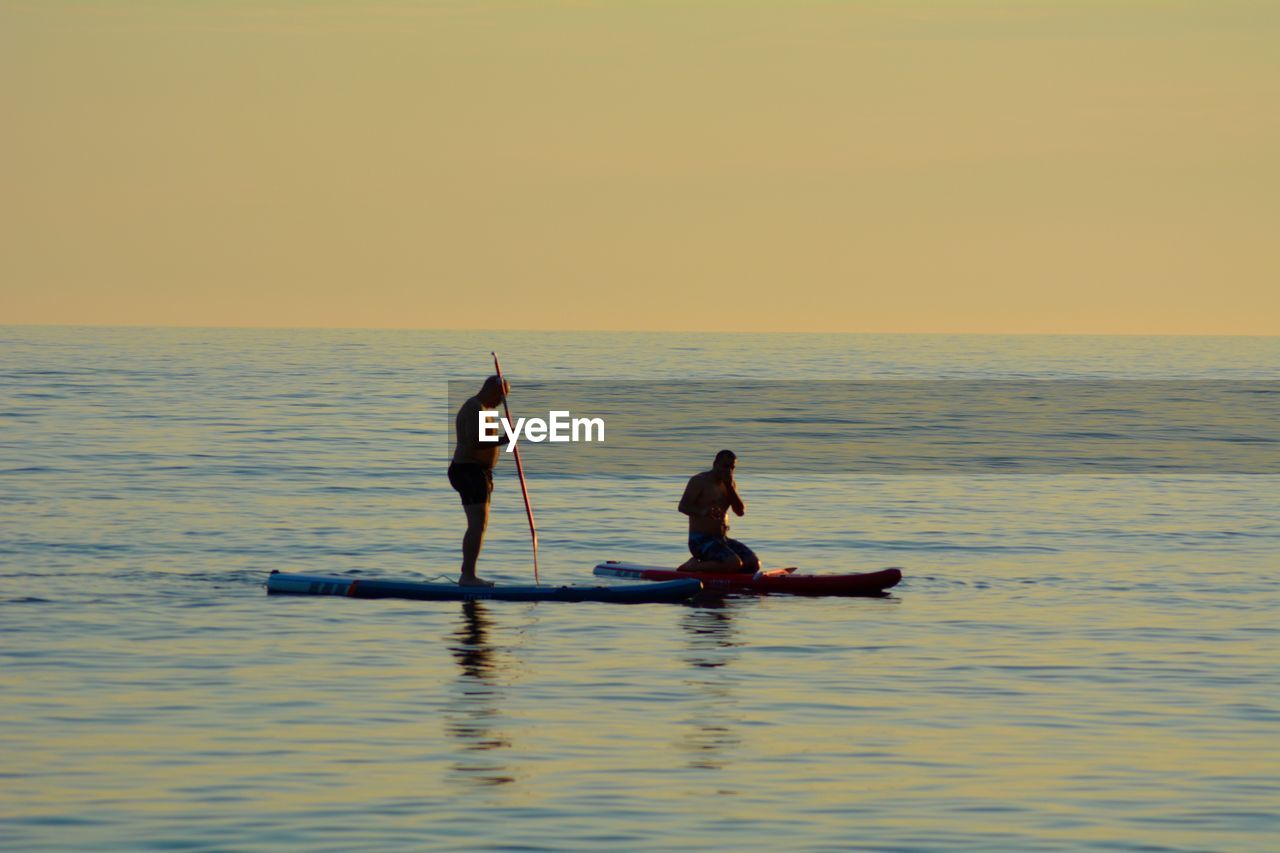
974 166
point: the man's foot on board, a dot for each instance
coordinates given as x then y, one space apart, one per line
472 580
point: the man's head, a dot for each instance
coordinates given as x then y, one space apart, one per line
493 391
725 462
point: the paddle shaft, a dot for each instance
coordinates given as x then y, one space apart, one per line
524 489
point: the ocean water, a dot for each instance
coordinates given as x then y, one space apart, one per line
1075 660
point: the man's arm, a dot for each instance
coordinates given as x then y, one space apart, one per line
735 501
495 429
689 501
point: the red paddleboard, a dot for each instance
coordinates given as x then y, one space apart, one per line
767 581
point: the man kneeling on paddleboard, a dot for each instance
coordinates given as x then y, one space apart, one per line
707 501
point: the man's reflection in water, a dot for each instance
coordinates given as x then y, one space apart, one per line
472 708
712 646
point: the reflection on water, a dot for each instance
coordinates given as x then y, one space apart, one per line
473 708
711 739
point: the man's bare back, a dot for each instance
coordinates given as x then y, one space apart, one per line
706 502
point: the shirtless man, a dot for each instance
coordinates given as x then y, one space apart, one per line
707 500
471 472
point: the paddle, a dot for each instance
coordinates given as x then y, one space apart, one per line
524 489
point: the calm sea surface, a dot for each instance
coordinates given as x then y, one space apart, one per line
1074 660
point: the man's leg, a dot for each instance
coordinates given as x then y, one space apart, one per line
747 559
727 566
714 556
477 521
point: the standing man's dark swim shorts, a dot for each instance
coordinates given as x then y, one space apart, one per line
472 481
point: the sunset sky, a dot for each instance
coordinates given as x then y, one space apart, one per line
1093 166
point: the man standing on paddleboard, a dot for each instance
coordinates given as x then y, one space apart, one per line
471 472
707 501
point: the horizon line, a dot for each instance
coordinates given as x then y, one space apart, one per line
521 330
